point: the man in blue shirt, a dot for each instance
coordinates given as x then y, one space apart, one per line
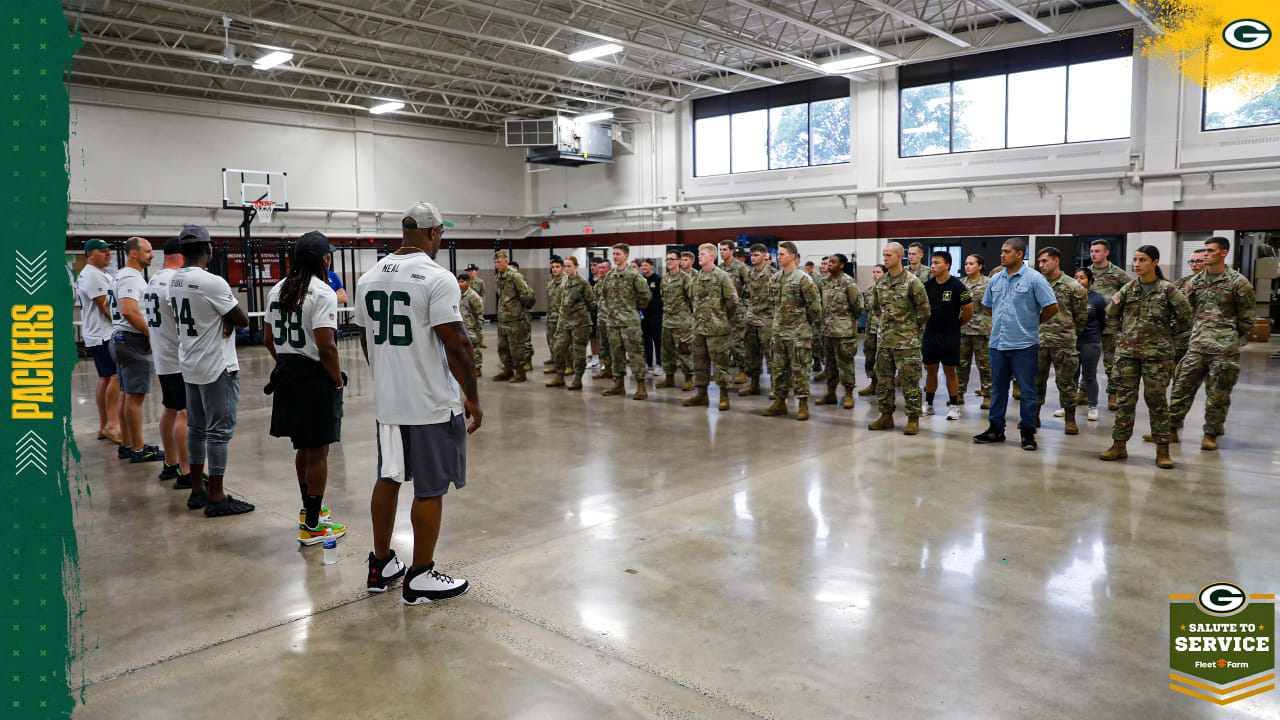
335 282
1020 299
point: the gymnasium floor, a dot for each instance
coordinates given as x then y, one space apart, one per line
642 560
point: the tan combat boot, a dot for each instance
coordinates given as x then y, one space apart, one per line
986 402
776 408
606 373
1162 456
688 383
549 370
698 400
802 412
1209 442
1117 451
1173 437
884 422
641 392
828 399
502 376
848 399
619 387
960 398
868 390
1072 428
666 382
913 426
575 383
1082 398
1017 392
519 376
528 366
557 381
1112 405
741 378
724 397
752 389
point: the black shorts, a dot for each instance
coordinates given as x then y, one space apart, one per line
306 407
943 349
173 392
102 361
433 457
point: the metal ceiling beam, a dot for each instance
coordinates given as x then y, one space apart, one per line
811 27
1141 14
1027 18
910 19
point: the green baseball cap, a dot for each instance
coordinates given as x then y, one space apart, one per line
97 244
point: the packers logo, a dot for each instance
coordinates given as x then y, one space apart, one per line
946 296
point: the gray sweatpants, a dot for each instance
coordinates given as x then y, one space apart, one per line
211 420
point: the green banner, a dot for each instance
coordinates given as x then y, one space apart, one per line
1222 643
38 485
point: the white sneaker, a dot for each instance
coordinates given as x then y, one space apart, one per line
1093 413
594 362
928 409
427 584
953 412
1060 413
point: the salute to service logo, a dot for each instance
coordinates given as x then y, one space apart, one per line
1221 644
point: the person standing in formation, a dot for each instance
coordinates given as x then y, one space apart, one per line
950 307
573 332
472 308
515 297
624 293
918 267
903 307
759 325
1089 344
601 266
553 310
1059 336
677 323
1149 311
795 307
131 349
528 333
870 341
819 354
1107 281
1223 301
1183 340
841 307
477 286
738 272
164 350
95 329
715 308
651 319
976 334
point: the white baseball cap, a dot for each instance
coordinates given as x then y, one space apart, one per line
423 215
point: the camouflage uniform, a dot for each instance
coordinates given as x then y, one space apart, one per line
1224 311
738 272
515 297
473 321
921 271
869 342
602 325
1107 282
1182 340
553 311
1058 339
819 344
624 294
1148 317
759 320
573 329
796 306
715 307
975 338
841 306
677 323
478 285
903 306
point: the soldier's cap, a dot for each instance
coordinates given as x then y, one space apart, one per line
172 246
192 234
313 243
423 216
97 244
473 266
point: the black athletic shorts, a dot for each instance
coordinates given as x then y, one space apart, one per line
102 360
306 407
943 349
173 392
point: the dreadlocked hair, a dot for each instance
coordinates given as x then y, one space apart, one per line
294 291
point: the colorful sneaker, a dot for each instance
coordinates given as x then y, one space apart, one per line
426 585
383 573
168 472
315 535
148 453
302 516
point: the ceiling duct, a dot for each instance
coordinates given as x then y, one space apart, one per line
563 140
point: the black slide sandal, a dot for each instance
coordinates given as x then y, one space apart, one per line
227 507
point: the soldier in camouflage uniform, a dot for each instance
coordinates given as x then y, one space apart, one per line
819 351
573 330
602 325
677 323
975 336
477 285
759 317
1107 281
1223 302
795 307
623 295
515 297
1149 311
715 308
900 299
1183 340
841 307
869 341
553 309
738 272
915 256
528 336
1058 336
472 308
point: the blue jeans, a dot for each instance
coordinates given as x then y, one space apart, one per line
1021 365
211 420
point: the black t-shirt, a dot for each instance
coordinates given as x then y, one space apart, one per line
655 295
945 301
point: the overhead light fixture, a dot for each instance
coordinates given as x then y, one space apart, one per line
592 53
272 59
845 63
386 107
603 115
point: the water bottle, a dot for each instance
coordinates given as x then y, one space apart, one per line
330 548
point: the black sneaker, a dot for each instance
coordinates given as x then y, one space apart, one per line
383 572
992 434
432 586
1028 440
183 482
168 472
148 453
125 453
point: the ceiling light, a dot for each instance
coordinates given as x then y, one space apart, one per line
845 63
595 52
272 59
386 107
604 115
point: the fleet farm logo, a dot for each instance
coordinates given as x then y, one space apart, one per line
1221 644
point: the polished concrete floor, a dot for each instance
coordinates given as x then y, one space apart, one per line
645 560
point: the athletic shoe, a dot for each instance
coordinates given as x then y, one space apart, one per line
184 482
315 535
953 412
594 362
426 585
124 452
928 409
302 516
383 573
1028 440
1060 413
168 472
149 453
992 434
1093 413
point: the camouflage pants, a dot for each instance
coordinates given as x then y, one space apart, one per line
1180 343
839 355
975 347
602 335
756 347
739 334
1108 360
627 343
512 336
551 337
1155 376
528 340
869 356
711 352
677 350
1219 374
791 365
1067 362
569 350
816 331
904 362
476 339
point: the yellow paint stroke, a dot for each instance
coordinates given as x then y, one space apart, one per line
1192 43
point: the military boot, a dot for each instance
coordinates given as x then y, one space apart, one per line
666 382
1162 456
778 407
575 383
1209 442
1173 437
1070 417
741 377
828 399
868 390
606 373
960 398
724 397
688 383
1117 451
1017 392
619 387
1082 398
884 422
519 377
913 426
752 389
698 400
848 398
506 374
802 411
641 392
1112 405
549 370
986 403
528 366
557 381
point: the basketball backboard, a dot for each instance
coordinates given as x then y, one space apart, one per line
241 188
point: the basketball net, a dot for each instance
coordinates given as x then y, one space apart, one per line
265 208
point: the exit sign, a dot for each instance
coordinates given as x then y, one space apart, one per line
586 230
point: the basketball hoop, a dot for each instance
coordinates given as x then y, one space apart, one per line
264 208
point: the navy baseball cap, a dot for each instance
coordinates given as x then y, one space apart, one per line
313 243
173 246
192 234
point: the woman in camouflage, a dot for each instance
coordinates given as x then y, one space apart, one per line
869 342
975 336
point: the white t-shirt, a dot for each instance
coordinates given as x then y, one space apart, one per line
198 300
296 334
164 333
128 283
398 303
95 327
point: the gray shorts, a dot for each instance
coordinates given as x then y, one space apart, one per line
434 456
133 359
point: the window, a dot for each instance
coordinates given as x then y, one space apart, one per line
1234 107
926 120
1098 97
784 126
977 114
1038 107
